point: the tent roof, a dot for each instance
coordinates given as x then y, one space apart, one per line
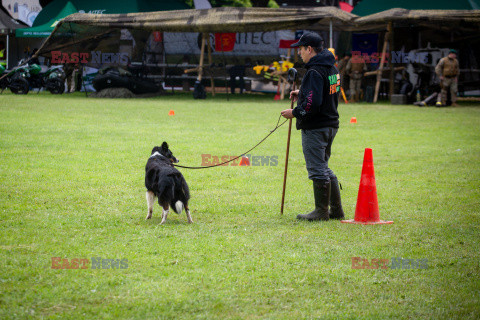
460 20
95 31
231 19
91 29
108 7
8 24
366 7
46 29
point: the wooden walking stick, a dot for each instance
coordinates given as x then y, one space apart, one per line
292 76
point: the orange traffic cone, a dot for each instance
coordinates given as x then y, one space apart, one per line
244 162
171 113
353 120
367 202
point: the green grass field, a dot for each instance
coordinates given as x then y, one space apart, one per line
72 187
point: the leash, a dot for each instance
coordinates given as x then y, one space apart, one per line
223 163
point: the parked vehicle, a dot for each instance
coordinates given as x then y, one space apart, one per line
17 78
114 77
28 76
3 80
54 79
420 76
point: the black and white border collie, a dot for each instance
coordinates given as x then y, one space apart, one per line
165 182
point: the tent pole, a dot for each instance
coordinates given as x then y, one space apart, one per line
392 69
74 42
380 68
209 50
331 34
202 54
164 61
7 49
225 66
295 53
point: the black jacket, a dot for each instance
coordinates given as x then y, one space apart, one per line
318 96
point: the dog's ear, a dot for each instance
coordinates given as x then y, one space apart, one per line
165 145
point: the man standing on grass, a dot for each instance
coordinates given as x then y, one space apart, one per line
317 117
355 68
448 71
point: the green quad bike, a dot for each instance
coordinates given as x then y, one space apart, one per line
3 78
20 79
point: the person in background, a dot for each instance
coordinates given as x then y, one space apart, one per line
69 69
78 76
3 55
237 70
356 69
34 60
342 69
448 71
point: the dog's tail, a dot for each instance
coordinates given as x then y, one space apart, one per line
178 208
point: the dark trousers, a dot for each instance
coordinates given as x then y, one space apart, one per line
237 71
317 147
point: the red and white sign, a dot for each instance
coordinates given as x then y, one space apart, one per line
225 41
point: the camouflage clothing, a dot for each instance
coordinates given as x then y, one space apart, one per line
342 69
447 68
69 68
448 71
448 84
355 71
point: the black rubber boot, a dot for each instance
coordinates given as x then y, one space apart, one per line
336 210
321 191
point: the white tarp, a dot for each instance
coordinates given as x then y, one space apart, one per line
250 43
25 10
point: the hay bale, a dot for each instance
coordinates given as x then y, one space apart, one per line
113 93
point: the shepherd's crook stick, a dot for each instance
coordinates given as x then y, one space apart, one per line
292 76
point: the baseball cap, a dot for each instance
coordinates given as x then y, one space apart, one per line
309 39
453 51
